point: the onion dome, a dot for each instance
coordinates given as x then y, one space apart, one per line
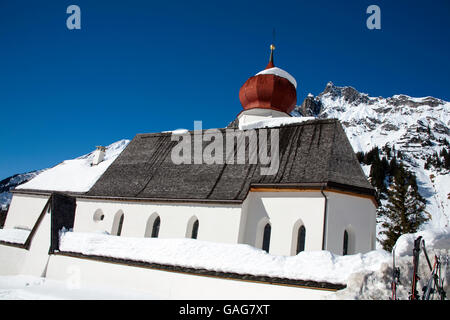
272 88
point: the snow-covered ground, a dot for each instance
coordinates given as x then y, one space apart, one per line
23 287
376 285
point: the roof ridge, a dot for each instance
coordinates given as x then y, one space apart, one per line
307 122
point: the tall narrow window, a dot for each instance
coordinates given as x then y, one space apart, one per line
119 229
301 239
345 245
155 229
266 237
153 225
117 223
195 230
192 228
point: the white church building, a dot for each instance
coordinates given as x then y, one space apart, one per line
316 198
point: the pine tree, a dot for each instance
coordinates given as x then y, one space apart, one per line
377 174
404 212
415 207
428 163
393 167
372 155
446 158
387 150
360 156
438 161
445 142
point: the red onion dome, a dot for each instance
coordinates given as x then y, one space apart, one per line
272 88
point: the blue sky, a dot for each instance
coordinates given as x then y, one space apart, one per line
144 66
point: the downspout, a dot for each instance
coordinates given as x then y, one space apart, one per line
325 219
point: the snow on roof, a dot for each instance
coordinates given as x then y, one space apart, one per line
281 73
14 235
273 122
76 175
177 131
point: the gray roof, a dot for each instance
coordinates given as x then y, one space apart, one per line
312 153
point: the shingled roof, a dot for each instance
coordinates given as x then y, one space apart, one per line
312 153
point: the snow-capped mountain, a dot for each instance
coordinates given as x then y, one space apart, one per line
417 127
11 182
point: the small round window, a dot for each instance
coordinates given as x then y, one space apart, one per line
98 215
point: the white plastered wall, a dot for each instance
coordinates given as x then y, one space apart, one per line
257 114
24 210
286 212
11 260
169 285
218 222
37 256
355 214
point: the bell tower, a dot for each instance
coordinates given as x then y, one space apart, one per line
270 93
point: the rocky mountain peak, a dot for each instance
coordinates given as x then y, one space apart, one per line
419 128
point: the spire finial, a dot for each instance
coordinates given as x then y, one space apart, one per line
271 64
272 49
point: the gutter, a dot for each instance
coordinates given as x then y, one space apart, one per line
325 219
83 195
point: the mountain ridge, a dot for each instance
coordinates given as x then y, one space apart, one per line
418 128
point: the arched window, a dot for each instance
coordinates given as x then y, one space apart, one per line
301 239
155 229
119 229
266 237
118 223
195 230
345 244
153 224
192 228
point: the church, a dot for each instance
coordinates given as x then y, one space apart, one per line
316 197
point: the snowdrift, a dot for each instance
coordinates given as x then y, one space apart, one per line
376 285
367 276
